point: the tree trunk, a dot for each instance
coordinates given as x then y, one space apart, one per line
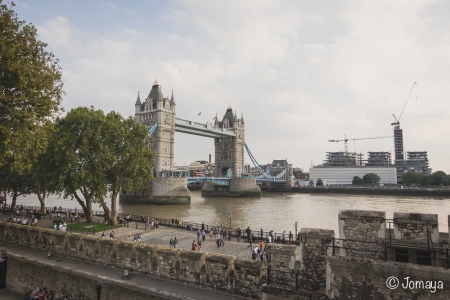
113 219
41 197
87 208
14 200
111 214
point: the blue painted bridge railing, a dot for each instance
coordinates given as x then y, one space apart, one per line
225 181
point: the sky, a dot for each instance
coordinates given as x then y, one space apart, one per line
300 72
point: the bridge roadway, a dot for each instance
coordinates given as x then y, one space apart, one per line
226 180
160 236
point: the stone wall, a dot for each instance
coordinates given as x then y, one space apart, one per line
284 263
220 272
22 274
239 187
353 278
169 190
315 245
362 230
416 228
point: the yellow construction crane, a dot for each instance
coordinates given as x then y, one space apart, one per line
397 121
346 140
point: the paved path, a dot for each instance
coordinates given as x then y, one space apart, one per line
162 235
6 294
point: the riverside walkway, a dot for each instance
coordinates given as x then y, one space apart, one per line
163 234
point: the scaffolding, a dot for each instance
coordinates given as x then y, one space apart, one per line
343 159
378 159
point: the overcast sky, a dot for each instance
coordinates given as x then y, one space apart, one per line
301 72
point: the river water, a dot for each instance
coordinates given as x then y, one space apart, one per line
273 212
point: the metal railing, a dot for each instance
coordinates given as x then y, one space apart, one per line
383 249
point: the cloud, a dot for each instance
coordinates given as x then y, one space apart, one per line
301 73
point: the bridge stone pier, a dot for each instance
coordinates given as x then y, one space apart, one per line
158 113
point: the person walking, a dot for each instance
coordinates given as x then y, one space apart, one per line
175 242
290 238
218 240
262 233
194 246
238 234
203 225
203 235
250 242
248 231
171 243
283 237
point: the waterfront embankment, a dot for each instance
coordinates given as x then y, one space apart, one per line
406 192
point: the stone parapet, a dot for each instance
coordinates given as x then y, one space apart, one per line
416 228
362 230
315 244
356 278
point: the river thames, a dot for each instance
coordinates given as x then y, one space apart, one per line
273 212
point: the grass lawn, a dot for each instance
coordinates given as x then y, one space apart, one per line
99 227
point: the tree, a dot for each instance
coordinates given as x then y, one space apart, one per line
94 155
129 161
15 184
33 180
412 177
73 152
311 182
357 180
371 178
319 182
31 90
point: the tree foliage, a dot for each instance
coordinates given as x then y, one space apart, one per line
438 178
319 182
371 178
357 180
93 155
412 177
30 90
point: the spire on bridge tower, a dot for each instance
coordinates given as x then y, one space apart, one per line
155 83
172 100
138 100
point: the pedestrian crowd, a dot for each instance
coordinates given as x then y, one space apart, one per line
108 235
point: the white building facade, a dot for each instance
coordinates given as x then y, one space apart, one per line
344 175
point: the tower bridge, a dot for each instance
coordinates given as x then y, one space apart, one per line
158 113
228 134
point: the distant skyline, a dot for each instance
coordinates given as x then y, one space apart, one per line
301 72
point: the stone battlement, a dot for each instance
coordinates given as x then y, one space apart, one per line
322 267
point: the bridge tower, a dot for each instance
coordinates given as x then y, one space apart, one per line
154 109
229 151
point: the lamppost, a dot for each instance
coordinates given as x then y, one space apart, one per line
295 225
229 215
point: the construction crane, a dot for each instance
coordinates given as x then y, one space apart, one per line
346 140
397 121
